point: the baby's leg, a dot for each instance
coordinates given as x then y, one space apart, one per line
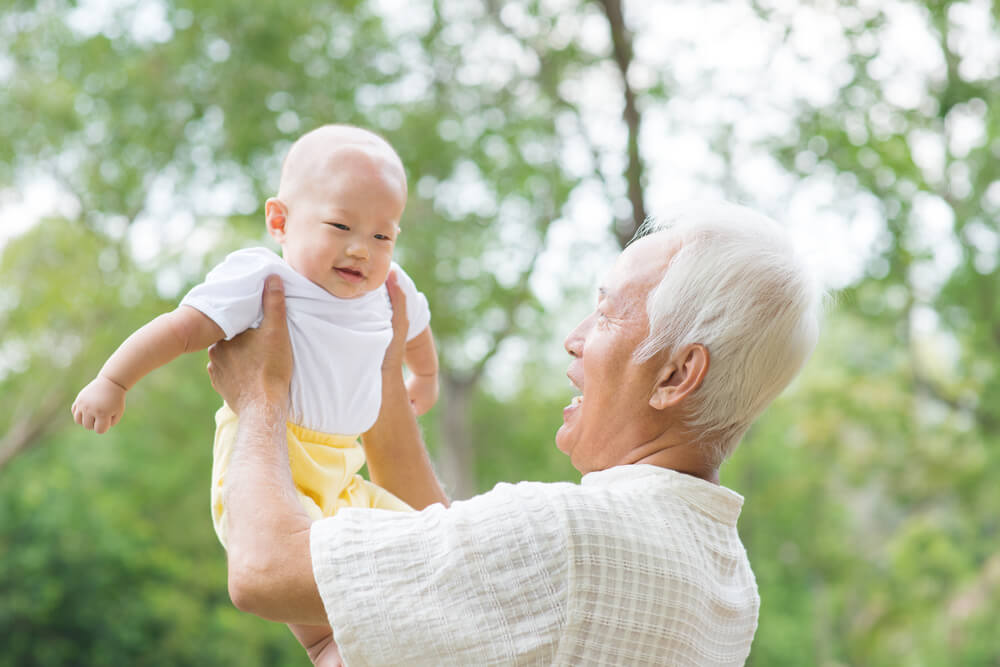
318 642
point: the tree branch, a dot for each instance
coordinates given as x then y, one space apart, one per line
30 430
522 292
986 420
621 40
549 84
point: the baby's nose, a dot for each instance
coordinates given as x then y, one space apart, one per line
358 250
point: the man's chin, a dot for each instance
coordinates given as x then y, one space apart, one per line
562 438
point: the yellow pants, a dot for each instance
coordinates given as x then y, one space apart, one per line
324 469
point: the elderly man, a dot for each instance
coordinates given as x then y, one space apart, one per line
698 326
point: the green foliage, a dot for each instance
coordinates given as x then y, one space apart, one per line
517 439
907 415
109 555
871 514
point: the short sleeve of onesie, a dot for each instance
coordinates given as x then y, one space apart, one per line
231 293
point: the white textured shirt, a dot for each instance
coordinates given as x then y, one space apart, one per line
338 344
637 565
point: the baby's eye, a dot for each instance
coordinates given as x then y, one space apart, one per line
383 237
339 225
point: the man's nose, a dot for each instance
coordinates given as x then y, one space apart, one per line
574 341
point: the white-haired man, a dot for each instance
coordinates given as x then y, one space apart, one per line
698 326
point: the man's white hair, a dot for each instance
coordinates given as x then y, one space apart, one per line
737 286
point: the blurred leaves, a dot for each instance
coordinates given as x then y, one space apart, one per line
872 508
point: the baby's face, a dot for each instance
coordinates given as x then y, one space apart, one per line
342 222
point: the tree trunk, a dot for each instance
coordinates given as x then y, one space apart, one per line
621 41
457 455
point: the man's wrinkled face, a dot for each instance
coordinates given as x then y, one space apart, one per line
343 220
610 419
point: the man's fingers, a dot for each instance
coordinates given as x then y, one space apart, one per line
398 300
256 359
392 284
273 302
212 367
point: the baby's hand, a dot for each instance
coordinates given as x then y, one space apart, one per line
99 405
423 392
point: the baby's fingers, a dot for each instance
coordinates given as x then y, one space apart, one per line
88 422
102 424
80 416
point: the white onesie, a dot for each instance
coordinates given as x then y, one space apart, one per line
338 344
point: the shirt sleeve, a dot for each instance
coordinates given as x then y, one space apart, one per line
231 293
417 310
483 582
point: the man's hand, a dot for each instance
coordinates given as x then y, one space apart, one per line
397 458
99 405
318 642
256 366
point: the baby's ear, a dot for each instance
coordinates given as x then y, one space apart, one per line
275 214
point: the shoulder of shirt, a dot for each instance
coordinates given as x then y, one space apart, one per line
505 492
256 261
256 256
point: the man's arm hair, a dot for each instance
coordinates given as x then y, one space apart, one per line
270 565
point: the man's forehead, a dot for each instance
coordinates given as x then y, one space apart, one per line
639 267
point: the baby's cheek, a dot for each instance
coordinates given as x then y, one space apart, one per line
381 272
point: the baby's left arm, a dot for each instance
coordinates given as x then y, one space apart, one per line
421 358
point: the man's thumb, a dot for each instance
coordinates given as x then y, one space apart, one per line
274 298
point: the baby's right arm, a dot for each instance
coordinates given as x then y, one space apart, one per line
101 403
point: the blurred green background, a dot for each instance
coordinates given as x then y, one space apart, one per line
139 138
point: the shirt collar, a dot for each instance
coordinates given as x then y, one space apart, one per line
717 501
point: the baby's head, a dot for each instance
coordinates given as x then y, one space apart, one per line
336 216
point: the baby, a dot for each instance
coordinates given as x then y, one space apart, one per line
336 217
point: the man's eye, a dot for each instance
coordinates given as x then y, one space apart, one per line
339 225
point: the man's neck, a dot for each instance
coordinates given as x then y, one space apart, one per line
680 450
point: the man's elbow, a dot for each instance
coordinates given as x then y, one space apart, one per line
251 587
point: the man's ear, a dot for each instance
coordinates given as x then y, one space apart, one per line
275 214
680 376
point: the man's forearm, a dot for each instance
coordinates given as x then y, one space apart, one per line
397 457
270 566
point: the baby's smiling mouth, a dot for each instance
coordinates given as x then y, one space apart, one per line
351 275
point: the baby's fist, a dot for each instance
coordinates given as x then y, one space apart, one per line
423 392
99 405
